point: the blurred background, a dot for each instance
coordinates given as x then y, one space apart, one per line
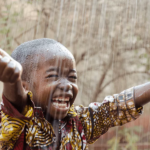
110 41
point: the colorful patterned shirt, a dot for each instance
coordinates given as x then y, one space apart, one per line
82 125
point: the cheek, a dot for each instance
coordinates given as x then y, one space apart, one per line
75 89
46 93
75 92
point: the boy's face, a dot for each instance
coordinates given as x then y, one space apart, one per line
54 83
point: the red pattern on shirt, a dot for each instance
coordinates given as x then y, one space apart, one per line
8 108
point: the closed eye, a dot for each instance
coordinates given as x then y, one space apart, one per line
73 77
51 76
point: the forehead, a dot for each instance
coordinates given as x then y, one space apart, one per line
56 55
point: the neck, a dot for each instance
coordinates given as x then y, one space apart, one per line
51 119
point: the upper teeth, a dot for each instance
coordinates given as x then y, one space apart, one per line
61 98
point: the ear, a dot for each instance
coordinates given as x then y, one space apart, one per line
25 85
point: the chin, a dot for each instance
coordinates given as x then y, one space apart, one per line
58 114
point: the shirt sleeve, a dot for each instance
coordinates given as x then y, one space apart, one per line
115 110
12 123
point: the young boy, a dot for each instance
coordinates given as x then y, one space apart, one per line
48 120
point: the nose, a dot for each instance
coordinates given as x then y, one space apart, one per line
65 85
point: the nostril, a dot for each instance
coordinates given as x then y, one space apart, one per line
65 87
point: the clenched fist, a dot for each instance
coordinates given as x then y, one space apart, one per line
10 70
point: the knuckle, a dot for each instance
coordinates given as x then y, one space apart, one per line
19 66
18 70
3 64
11 64
9 69
5 59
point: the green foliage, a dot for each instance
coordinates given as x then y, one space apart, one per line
114 143
127 136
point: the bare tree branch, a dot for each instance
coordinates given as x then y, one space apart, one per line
16 38
98 86
120 76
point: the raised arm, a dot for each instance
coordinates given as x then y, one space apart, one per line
113 111
142 94
10 75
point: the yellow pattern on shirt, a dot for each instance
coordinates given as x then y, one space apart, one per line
96 120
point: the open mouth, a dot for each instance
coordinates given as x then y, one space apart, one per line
61 102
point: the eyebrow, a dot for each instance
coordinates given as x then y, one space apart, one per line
52 69
56 69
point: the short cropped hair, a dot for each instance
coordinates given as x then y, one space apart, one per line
26 54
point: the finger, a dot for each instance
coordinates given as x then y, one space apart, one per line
3 53
5 59
8 72
18 68
17 74
0 65
12 64
3 63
